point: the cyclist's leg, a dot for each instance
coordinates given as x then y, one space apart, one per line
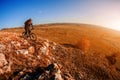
25 32
29 31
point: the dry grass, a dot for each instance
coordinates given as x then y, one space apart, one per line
83 44
102 40
111 58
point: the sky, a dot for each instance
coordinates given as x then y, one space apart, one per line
13 13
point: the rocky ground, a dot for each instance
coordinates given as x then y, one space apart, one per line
22 59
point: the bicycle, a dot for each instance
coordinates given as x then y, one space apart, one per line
31 36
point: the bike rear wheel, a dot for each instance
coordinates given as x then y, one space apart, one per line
24 35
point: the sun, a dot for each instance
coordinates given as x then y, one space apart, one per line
115 25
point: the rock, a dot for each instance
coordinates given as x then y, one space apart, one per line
22 51
31 50
44 76
3 60
55 71
58 75
2 47
67 76
18 62
16 44
44 50
46 44
4 65
52 72
25 42
79 76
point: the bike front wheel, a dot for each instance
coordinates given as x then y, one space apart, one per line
33 37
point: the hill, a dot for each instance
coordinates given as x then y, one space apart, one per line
83 52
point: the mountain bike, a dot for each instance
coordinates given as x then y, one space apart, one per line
31 36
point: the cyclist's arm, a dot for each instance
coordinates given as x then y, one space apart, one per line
32 26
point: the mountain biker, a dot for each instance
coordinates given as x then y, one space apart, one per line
28 24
